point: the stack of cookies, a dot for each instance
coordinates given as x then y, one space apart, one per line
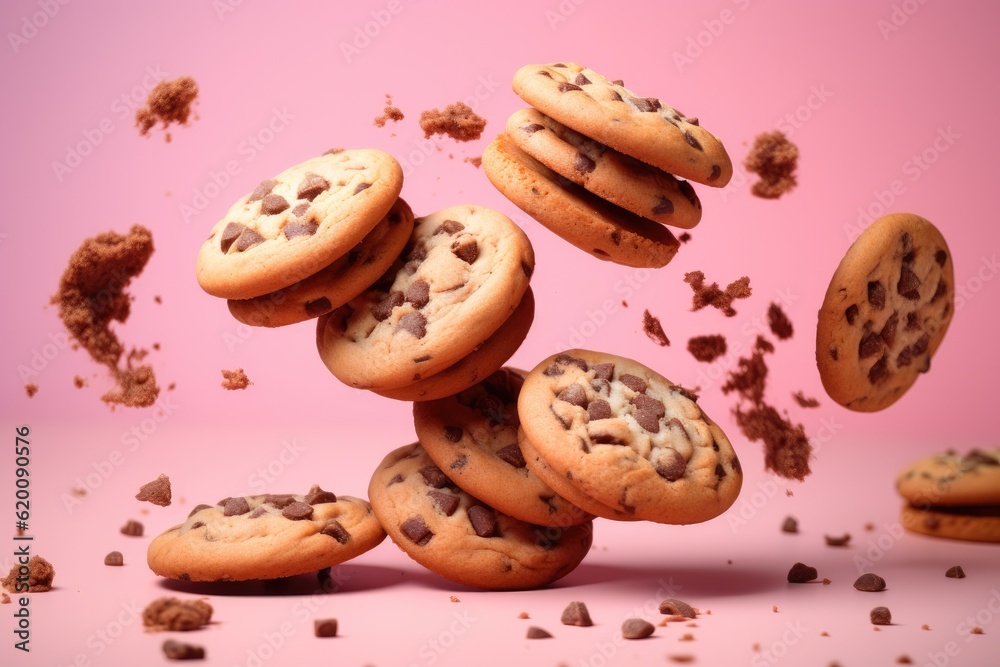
309 239
599 166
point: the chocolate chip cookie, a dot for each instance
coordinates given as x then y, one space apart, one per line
464 272
265 537
642 127
298 222
461 538
473 436
885 313
336 284
629 438
583 219
613 176
953 495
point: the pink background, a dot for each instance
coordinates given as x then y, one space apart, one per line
860 95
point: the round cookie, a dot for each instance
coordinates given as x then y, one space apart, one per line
616 177
885 313
588 222
480 363
265 537
951 479
465 272
295 224
460 538
975 524
336 284
473 435
642 127
629 438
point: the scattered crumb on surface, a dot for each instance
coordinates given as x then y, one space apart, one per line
925 627
457 121
826 582
156 492
169 102
535 632
175 650
233 380
39 580
476 162
170 613
805 401
684 237
651 325
824 634
325 627
79 491
454 598
114 559
976 631
523 614
132 528
707 348
390 112
837 540
774 159
790 525
713 296
31 389
4 598
79 382
774 608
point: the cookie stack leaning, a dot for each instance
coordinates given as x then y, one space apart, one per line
623 442
449 312
308 240
602 167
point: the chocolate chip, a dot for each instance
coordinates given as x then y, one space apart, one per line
790 525
554 370
248 239
567 360
615 96
362 186
467 250
912 321
483 520
574 394
258 512
279 500
229 235
670 465
416 530
908 285
604 371
566 87
955 572
383 309
434 477
459 462
201 524
940 257
531 128
325 627
801 573
396 479
675 607
316 496
175 650
418 293
297 511
870 345
236 507
904 358
599 409
633 382
716 172
198 508
645 104
273 204
940 290
879 372
576 613
132 528
446 502
837 540
663 207
851 313
311 186
414 323
535 632
544 73
648 412
888 333
317 307
295 228
262 190
583 164
453 433
920 346
115 558
876 294
870 583
688 137
558 65
880 616
581 80
334 529
449 227
636 628
977 457
512 454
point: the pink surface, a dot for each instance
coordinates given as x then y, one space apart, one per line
891 106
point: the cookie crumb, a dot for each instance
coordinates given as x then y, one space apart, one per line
680 658
576 613
476 162
458 121
390 112
869 526
779 323
686 637
78 491
880 616
175 650
31 389
826 582
169 613
79 382
707 348
233 380
976 631
837 540
325 627
169 102
925 627
92 295
637 628
790 525
788 493
4 598
535 632
774 608
714 296
870 583
523 615
904 660
774 159
824 634
156 492
132 528
40 576
800 573
684 237
454 598
114 559
804 401
675 607
955 572
651 325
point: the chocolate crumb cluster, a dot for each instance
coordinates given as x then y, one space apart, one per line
712 295
169 102
457 121
707 348
235 380
774 159
390 112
